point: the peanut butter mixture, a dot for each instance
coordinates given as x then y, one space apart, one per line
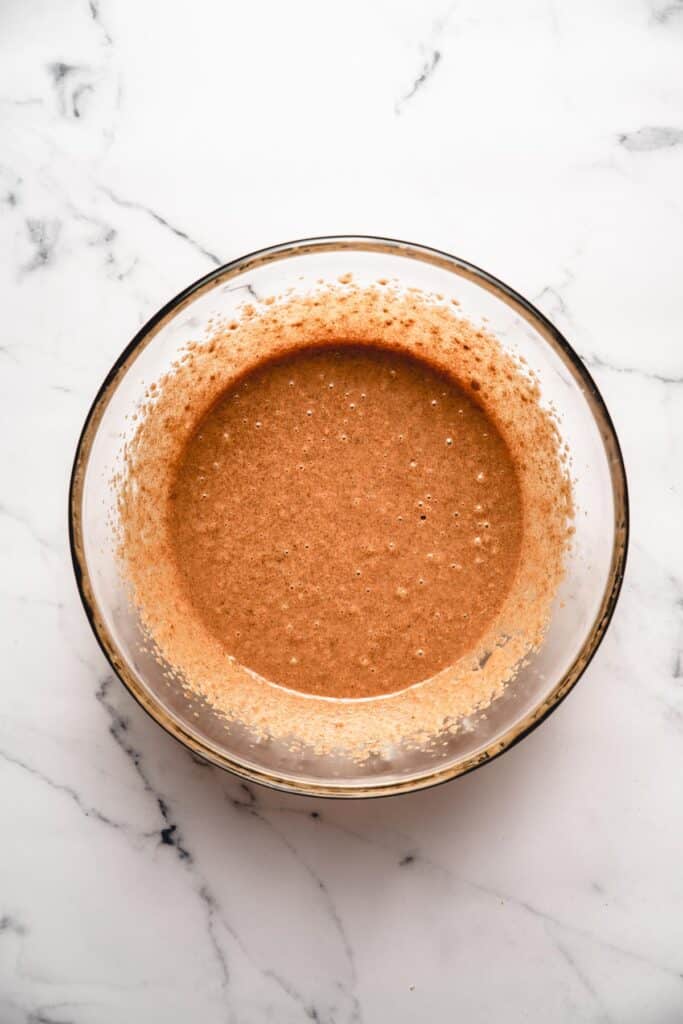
350 493
346 521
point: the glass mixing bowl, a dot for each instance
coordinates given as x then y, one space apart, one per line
595 568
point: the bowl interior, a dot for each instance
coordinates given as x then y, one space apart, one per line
595 564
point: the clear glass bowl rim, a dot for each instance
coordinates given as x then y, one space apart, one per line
444 260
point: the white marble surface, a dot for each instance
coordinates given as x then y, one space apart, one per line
143 143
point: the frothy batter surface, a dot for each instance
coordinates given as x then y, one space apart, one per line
265 588
346 521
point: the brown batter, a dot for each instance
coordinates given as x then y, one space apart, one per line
346 521
247 570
